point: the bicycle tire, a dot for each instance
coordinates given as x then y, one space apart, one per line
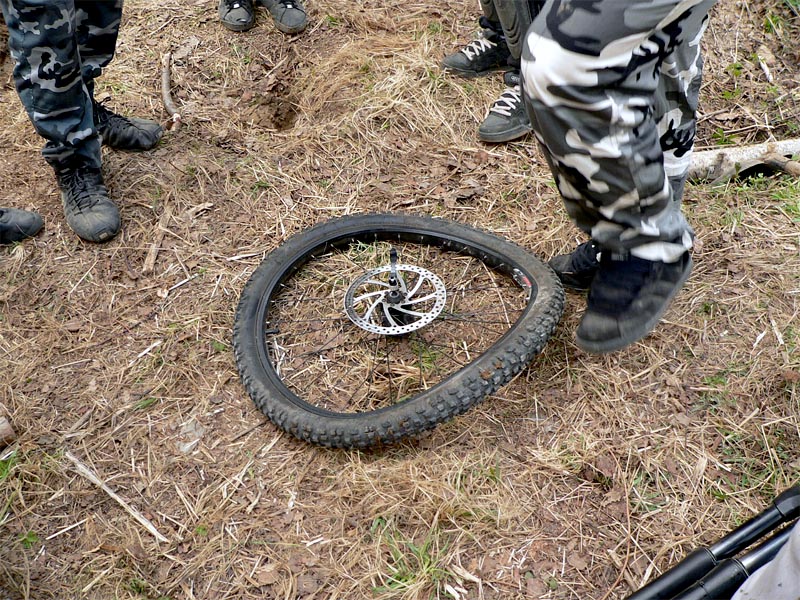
495 367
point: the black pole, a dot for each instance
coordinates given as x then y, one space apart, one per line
699 562
728 576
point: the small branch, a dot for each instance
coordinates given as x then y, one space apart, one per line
90 475
778 162
723 164
166 94
152 254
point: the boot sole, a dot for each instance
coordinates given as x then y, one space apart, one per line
612 345
237 27
504 136
467 74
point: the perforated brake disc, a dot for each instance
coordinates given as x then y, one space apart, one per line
376 304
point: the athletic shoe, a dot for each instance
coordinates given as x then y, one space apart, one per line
89 211
577 269
626 300
125 133
481 56
289 15
237 15
507 119
16 225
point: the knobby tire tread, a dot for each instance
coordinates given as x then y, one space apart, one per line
497 366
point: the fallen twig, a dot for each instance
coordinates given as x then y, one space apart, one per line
166 94
152 254
724 163
90 475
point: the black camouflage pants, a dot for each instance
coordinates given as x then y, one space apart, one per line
60 47
611 89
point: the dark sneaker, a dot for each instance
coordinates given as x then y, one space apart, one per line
577 269
626 300
507 119
237 15
125 133
289 15
89 211
16 225
481 56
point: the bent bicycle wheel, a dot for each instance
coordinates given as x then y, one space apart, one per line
367 329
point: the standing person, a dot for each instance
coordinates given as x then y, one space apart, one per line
60 47
289 16
611 89
499 48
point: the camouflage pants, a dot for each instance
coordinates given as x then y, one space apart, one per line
611 89
60 47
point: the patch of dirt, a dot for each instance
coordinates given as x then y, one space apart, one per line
580 479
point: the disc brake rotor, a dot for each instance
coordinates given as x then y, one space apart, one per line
374 304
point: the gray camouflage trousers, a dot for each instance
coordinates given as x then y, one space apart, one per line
60 47
611 89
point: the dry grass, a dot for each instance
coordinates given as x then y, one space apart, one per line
581 479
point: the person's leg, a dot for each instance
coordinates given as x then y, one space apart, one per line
486 53
97 28
674 112
48 77
506 119
591 72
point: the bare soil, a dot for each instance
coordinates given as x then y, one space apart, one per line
583 478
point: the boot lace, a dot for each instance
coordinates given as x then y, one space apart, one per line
82 186
477 47
508 102
107 119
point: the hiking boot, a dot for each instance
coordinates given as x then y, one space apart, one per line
481 56
89 211
289 15
16 225
577 269
626 300
125 133
507 119
237 15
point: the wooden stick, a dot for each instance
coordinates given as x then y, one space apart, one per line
161 232
166 94
90 475
724 163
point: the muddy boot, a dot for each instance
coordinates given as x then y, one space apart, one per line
237 15
289 15
125 133
89 211
16 225
627 298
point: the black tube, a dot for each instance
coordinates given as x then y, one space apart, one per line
729 575
686 572
784 508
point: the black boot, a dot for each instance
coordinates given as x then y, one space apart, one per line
577 269
125 133
89 211
16 225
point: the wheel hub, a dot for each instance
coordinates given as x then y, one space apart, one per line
395 299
